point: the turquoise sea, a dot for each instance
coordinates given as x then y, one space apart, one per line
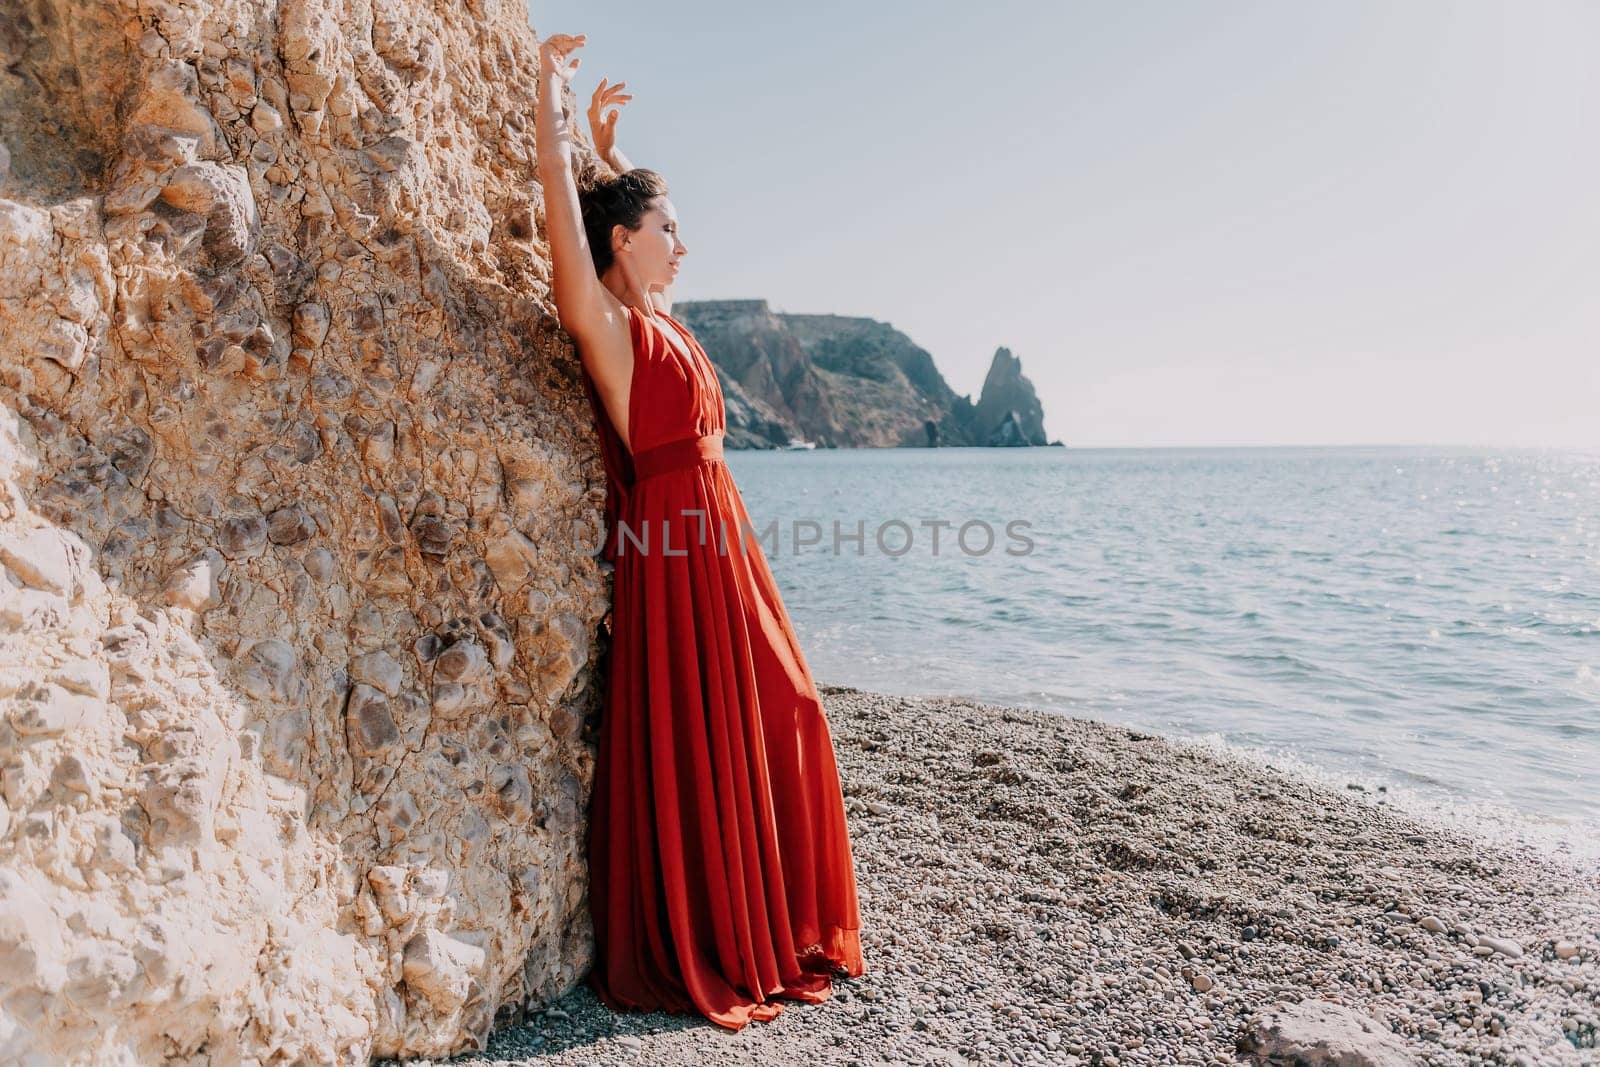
1420 620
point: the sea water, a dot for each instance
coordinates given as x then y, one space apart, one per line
1420 620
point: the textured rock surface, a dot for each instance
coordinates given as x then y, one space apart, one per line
298 617
847 382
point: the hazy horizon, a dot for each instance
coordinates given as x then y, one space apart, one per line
1219 225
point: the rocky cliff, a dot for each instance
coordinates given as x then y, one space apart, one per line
298 609
848 382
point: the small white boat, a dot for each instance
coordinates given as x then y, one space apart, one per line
797 445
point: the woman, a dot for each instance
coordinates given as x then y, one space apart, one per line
720 870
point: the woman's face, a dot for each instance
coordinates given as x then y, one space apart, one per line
654 248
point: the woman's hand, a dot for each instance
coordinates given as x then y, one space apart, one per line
603 132
553 53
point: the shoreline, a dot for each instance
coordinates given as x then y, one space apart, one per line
1041 889
1568 839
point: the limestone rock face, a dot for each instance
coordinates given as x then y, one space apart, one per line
299 600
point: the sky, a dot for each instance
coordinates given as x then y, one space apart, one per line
1195 223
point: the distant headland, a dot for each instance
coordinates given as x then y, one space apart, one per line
836 381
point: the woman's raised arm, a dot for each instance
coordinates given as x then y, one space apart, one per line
578 294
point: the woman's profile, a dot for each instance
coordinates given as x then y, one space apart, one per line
721 875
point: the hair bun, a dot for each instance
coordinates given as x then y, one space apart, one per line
591 175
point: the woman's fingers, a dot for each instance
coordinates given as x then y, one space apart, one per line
557 49
608 96
558 46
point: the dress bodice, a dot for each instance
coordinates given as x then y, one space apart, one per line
673 394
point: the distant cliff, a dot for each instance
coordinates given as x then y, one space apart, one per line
845 382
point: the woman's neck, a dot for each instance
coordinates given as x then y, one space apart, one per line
653 300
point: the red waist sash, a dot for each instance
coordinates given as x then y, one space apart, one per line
676 455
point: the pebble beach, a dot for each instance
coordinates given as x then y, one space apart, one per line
1043 890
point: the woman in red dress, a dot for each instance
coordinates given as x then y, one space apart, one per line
721 878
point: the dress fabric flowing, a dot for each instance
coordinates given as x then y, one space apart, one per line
721 876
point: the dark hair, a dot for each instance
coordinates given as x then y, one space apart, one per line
608 201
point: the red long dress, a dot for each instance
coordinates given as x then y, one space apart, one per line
721 877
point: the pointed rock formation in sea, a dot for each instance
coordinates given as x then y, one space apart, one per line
1008 412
